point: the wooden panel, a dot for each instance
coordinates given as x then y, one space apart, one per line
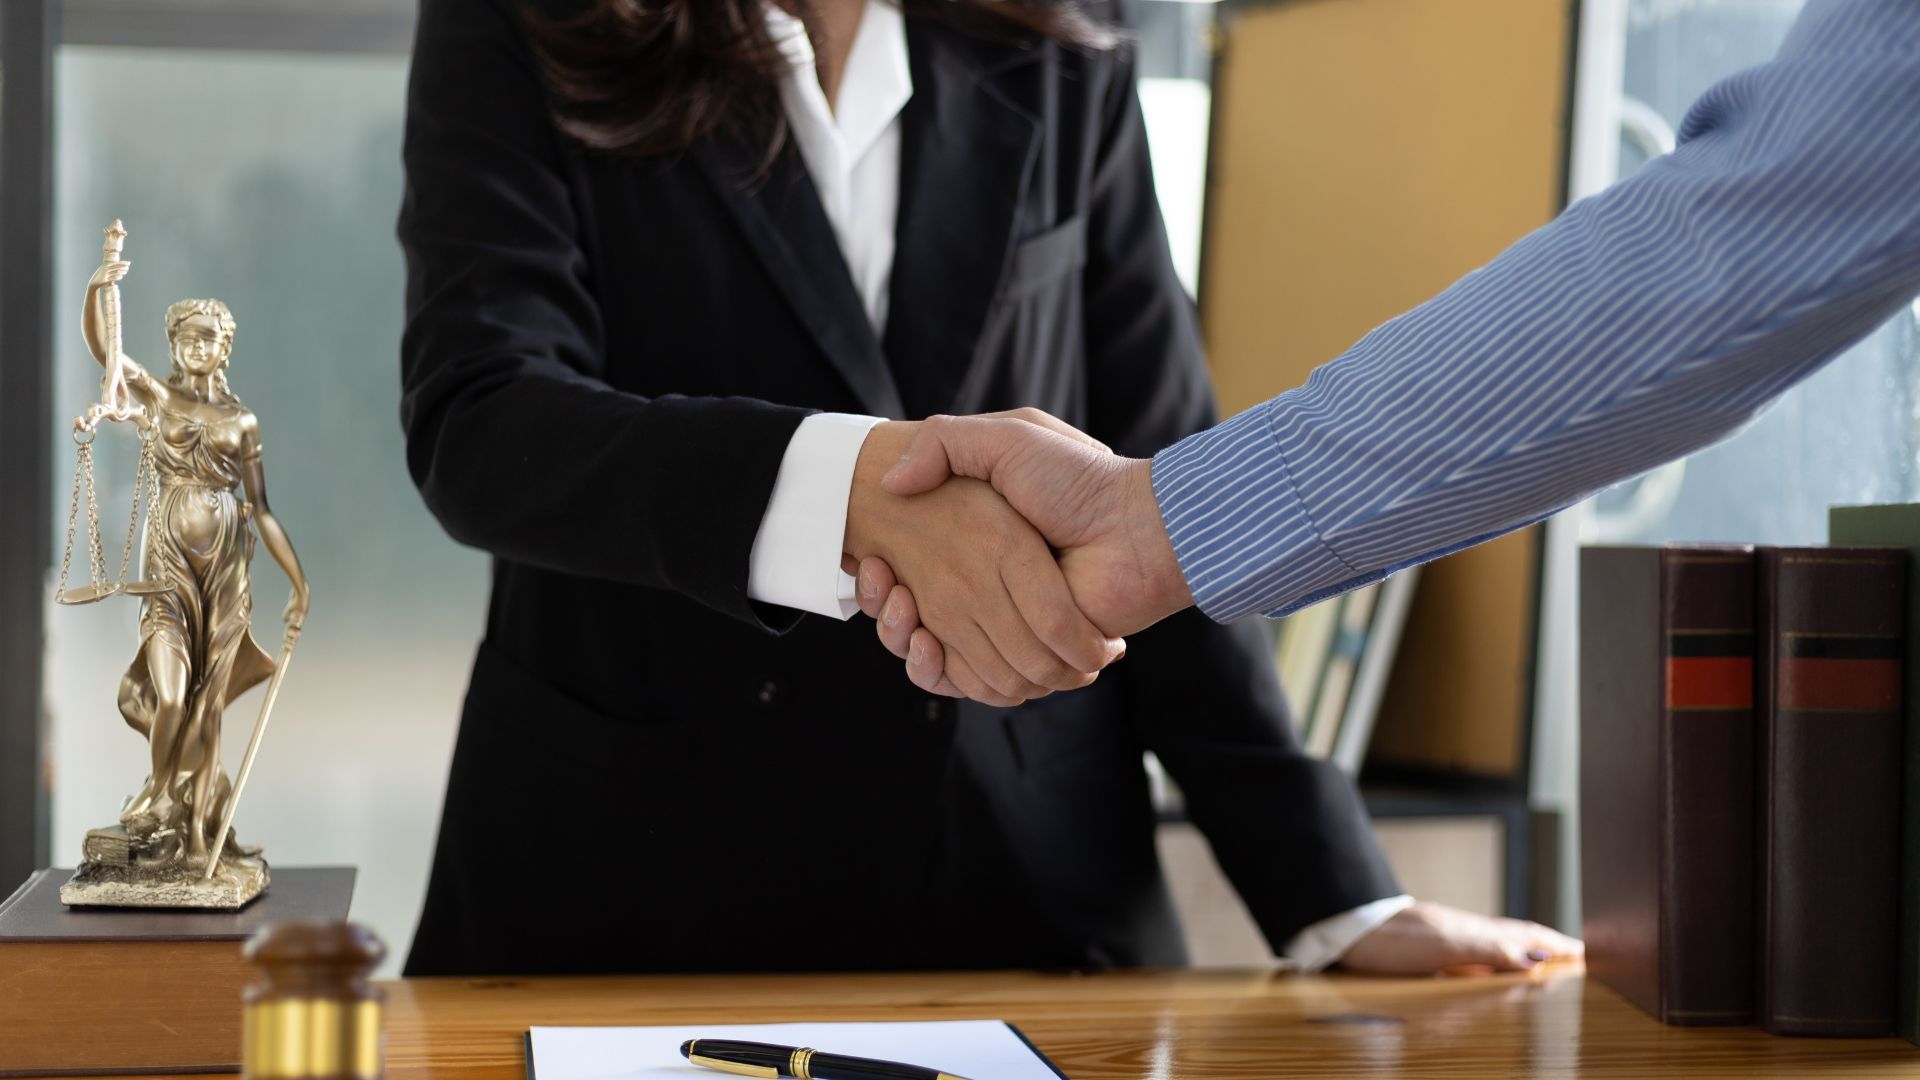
1193 1025
1457 701
1366 154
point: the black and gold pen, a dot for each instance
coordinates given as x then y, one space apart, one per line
769 1061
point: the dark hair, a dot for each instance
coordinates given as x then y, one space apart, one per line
643 77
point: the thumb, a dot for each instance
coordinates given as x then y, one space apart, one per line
924 466
952 446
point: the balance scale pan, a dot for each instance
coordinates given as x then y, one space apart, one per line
87 594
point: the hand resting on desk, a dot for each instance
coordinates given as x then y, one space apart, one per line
1430 938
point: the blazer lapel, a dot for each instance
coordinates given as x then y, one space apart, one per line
784 223
967 149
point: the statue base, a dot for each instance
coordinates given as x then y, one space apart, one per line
117 872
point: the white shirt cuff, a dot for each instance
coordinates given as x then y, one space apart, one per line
795 560
1321 945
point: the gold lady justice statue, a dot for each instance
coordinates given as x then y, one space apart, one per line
201 477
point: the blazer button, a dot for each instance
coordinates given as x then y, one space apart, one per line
936 709
769 692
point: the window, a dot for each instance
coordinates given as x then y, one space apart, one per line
1849 434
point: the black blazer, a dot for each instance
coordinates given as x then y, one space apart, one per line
604 360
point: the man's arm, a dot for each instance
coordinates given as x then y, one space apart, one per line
1640 325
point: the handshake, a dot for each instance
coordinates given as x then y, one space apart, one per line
1006 556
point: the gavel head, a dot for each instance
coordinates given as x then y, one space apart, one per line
313 1015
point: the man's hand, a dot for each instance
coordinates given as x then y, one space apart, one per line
1097 508
986 584
1432 939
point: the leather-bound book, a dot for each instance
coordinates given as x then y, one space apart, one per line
1899 526
1666 777
122 990
1832 647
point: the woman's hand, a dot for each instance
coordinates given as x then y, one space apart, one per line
1096 508
108 274
984 582
297 604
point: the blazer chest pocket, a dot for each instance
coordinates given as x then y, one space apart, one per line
1041 259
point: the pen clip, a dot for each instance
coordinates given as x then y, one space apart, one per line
765 1072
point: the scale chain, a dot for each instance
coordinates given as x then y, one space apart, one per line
73 515
96 551
143 477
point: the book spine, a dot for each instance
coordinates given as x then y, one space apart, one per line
1899 526
1620 660
1706 786
1833 631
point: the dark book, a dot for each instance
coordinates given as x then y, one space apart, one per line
1831 647
1666 778
1899 526
137 990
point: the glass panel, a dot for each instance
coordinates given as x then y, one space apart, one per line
1176 112
1851 433
269 181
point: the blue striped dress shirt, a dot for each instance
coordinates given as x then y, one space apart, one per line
1644 323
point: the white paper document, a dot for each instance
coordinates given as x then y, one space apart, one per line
975 1049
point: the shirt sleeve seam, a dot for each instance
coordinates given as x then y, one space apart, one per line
1299 498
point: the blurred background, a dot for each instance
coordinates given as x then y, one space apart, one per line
1322 165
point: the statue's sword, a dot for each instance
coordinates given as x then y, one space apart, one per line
253 747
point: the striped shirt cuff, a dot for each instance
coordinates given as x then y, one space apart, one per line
1244 540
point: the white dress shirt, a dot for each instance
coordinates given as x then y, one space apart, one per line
852 154
853 158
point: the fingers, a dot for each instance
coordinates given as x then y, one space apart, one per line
1054 424
926 660
1003 656
1062 635
899 618
995 649
899 629
1546 943
948 446
975 446
962 677
1046 643
1515 945
1029 598
987 677
873 582
926 666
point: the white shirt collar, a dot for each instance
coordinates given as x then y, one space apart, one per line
874 88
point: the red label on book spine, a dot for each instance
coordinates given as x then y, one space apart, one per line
1709 682
1809 684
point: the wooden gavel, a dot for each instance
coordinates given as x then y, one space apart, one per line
313 1016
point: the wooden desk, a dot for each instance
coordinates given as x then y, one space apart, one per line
1193 1025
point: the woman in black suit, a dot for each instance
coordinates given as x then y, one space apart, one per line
626 294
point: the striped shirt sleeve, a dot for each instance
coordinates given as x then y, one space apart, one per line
1644 323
